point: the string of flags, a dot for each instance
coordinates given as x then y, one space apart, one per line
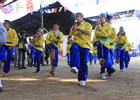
53 10
29 7
10 8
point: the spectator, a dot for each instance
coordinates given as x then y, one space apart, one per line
3 34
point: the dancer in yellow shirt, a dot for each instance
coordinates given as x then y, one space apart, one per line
102 41
81 33
37 50
120 49
11 41
53 40
112 38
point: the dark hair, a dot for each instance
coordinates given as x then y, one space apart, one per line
56 23
22 32
30 38
79 13
7 21
119 33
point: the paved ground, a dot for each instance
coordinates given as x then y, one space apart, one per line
26 85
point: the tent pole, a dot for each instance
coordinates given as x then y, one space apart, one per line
41 16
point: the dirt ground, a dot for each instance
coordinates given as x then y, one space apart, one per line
26 85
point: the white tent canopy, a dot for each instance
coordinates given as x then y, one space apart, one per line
87 7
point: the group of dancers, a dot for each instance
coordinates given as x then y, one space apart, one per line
110 46
79 47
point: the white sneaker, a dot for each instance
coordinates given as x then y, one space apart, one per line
74 70
82 83
103 76
122 70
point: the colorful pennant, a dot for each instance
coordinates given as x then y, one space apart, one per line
8 9
29 5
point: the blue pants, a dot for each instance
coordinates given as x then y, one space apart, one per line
8 59
120 55
50 47
126 58
32 56
36 56
94 58
79 57
90 57
112 57
68 57
103 52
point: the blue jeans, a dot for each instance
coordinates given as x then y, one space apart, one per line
79 57
90 57
103 52
120 55
112 57
126 58
68 57
94 58
36 56
7 60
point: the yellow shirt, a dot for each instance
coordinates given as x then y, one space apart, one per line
122 41
33 41
68 48
103 35
128 47
38 43
60 47
113 38
80 38
53 39
91 49
12 38
95 51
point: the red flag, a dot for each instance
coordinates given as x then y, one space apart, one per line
29 5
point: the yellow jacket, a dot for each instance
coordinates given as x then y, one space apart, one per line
113 38
128 47
38 43
68 48
80 38
122 41
95 51
60 47
91 49
12 38
103 35
53 39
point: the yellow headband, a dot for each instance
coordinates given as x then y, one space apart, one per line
121 28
